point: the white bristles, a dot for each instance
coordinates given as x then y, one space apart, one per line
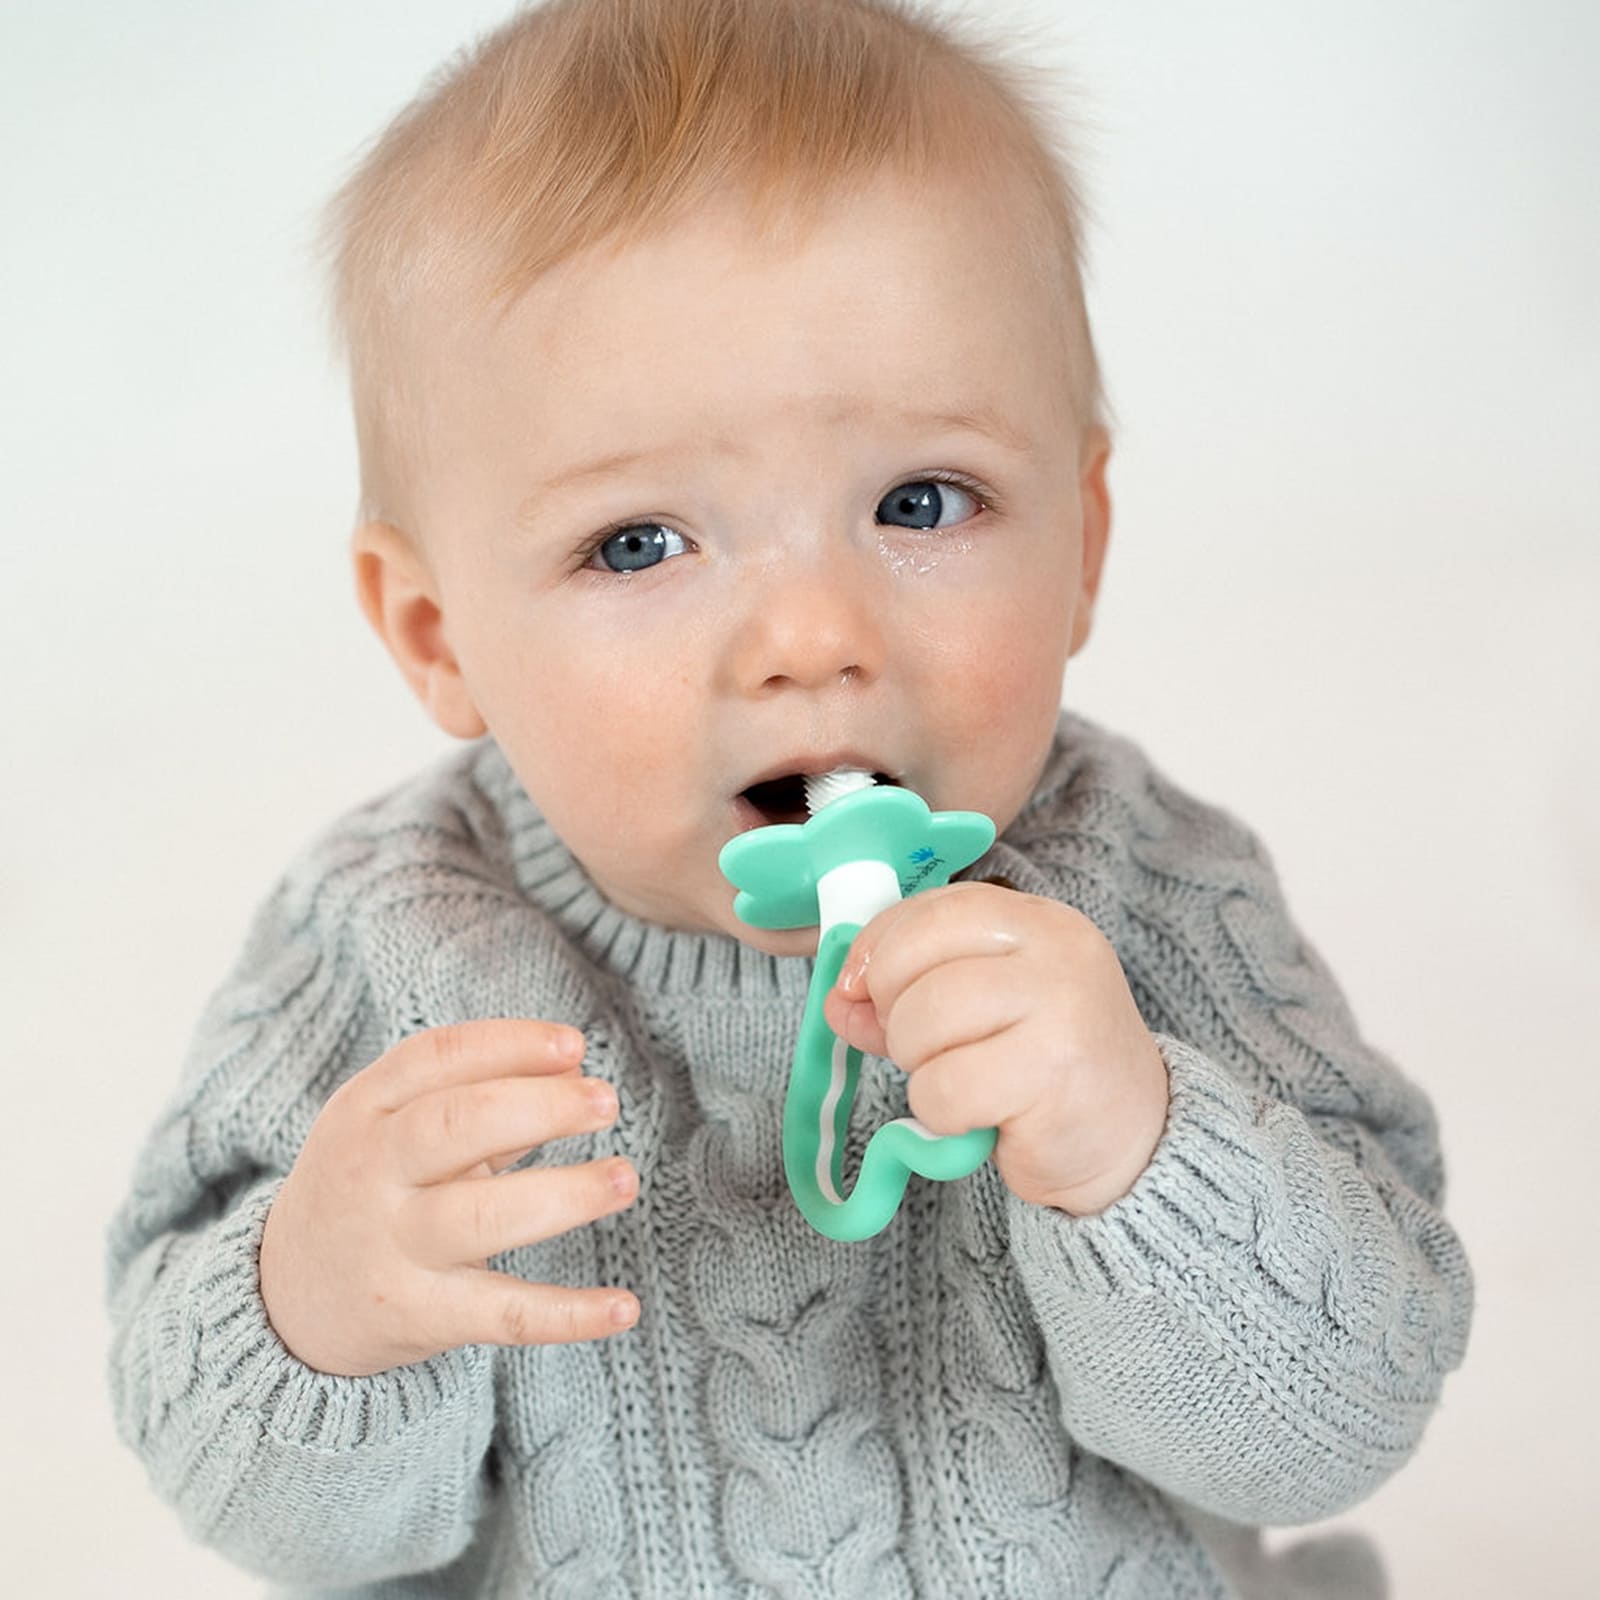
823 788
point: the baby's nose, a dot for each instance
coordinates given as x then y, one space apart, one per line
808 630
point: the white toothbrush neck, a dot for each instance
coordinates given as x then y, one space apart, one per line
855 891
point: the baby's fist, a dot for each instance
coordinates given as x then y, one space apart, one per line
1011 1011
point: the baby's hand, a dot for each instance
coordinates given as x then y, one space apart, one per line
375 1249
1011 1011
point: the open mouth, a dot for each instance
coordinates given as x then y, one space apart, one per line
783 799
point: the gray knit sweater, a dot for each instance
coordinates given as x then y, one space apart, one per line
988 1399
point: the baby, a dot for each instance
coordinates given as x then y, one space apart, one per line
727 413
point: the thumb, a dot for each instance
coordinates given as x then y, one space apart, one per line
856 1022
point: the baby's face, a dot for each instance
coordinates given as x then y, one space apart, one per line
797 556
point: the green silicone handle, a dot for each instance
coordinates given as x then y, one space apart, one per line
816 1113
777 870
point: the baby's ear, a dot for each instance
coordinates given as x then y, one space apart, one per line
1094 496
401 601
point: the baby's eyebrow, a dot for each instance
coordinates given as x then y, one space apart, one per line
962 419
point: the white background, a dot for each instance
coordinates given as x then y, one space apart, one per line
1345 286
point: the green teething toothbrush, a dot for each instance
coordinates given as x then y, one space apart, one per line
863 848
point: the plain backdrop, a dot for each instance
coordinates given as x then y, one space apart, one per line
1344 281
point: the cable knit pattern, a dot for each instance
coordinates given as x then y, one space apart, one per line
987 1399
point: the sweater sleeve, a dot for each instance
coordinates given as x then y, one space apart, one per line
1262 1324
298 1475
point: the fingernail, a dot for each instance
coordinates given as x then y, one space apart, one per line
623 1178
624 1312
603 1099
569 1045
850 973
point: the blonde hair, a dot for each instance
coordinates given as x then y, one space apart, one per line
578 121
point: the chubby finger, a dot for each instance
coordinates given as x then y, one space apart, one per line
466 1222
856 1022
469 1052
912 936
958 1002
476 1306
448 1132
958 1089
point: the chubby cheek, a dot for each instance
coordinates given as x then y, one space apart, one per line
1000 666
599 737
1004 680
600 769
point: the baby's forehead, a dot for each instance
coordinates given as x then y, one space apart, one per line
713 263
814 328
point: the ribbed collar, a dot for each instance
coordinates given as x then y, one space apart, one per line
515 836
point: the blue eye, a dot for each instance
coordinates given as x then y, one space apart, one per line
639 546
920 503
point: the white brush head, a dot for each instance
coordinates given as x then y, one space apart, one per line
823 788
